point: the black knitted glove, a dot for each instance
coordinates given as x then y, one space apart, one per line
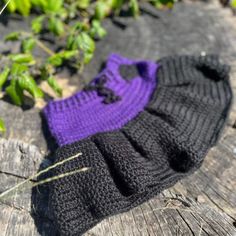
164 143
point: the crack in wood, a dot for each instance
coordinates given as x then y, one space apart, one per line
15 175
183 218
11 205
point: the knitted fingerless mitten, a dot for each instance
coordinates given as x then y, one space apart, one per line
113 98
165 142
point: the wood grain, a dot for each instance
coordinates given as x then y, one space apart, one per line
202 204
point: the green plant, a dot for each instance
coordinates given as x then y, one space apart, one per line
2 126
233 4
163 3
76 23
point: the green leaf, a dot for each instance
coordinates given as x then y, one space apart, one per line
23 6
233 3
12 36
58 58
102 10
70 42
37 24
15 92
55 86
85 42
4 76
80 26
134 7
68 54
117 4
28 45
18 69
2 126
39 3
63 13
22 58
53 5
11 6
83 4
87 57
55 60
97 30
44 71
26 82
56 25
163 3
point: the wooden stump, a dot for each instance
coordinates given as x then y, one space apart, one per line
202 204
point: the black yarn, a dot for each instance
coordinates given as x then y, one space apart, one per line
166 142
99 86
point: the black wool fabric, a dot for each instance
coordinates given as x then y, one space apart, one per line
166 142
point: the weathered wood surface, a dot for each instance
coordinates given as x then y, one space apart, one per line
203 204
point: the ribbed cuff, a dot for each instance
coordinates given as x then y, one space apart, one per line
183 70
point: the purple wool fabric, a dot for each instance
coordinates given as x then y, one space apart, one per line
85 113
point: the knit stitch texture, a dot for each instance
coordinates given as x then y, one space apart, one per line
167 141
86 113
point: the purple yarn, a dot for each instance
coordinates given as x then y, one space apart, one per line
85 114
